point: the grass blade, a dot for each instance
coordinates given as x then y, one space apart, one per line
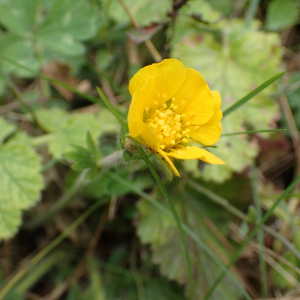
252 234
238 213
251 95
260 235
112 109
252 131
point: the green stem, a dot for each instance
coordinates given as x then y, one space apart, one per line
260 236
251 12
252 234
47 250
111 160
175 215
49 165
42 139
162 188
189 232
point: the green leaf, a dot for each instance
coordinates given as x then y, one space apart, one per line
18 16
21 184
282 14
234 60
82 157
71 129
5 129
160 231
68 23
145 11
19 50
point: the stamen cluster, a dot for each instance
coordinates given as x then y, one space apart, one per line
167 124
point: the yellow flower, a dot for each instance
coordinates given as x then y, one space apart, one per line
171 106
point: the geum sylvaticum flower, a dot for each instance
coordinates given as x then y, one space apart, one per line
172 107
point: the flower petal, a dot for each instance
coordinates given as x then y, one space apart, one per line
141 99
194 99
170 75
196 153
217 98
138 81
209 132
146 135
168 160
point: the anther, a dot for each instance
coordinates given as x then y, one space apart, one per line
164 106
172 142
160 136
185 140
161 114
161 122
173 99
178 135
164 96
187 130
162 146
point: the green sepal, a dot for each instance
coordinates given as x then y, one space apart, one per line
165 167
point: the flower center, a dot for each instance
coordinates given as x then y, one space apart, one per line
168 125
